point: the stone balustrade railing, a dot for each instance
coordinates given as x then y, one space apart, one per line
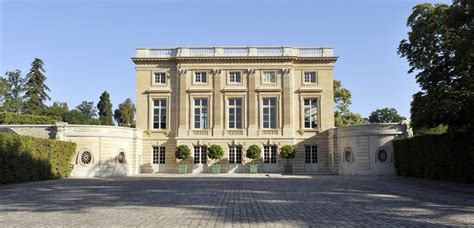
233 52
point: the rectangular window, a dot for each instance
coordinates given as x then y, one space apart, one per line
200 155
270 154
235 113
235 77
235 154
200 77
311 154
269 113
200 113
310 110
310 77
159 155
160 78
269 77
159 114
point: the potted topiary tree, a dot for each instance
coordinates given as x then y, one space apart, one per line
183 153
288 152
253 152
215 152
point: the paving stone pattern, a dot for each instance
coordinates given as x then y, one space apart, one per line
237 201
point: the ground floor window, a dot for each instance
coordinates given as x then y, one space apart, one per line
269 154
200 155
235 154
159 155
311 154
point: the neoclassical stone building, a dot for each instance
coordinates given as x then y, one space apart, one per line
234 97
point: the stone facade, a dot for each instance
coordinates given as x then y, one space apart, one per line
234 97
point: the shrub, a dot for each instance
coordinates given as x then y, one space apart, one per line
254 152
183 152
25 158
287 152
12 118
215 152
443 157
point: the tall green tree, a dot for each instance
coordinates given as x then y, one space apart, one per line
105 109
125 114
342 115
385 115
440 50
36 89
88 109
58 110
12 89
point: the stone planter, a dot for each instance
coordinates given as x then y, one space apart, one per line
182 168
216 169
288 169
253 168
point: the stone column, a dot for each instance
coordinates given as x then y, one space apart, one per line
218 106
287 88
183 104
252 109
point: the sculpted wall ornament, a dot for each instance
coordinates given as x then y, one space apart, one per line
182 72
285 71
216 72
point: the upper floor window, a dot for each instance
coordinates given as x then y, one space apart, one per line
269 77
235 113
310 110
200 77
200 113
159 114
160 78
310 77
235 77
269 113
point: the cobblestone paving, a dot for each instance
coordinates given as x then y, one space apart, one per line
230 201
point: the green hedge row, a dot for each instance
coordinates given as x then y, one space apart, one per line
444 157
12 118
25 158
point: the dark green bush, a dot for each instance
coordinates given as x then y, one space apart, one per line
444 157
183 152
25 158
254 152
215 152
12 118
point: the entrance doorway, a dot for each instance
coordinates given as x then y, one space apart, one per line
200 159
270 159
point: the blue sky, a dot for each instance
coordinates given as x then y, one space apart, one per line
87 45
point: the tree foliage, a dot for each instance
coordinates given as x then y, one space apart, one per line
36 90
287 152
58 110
105 109
12 89
385 115
125 114
254 152
87 109
215 152
183 152
439 49
342 115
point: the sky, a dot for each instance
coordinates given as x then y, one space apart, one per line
87 45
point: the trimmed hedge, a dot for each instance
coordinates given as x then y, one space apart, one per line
444 157
12 118
25 158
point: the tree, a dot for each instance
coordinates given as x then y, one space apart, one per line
183 152
105 109
254 152
385 115
342 100
12 89
88 109
36 90
439 49
125 114
58 110
76 117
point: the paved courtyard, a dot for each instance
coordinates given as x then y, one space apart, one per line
168 200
